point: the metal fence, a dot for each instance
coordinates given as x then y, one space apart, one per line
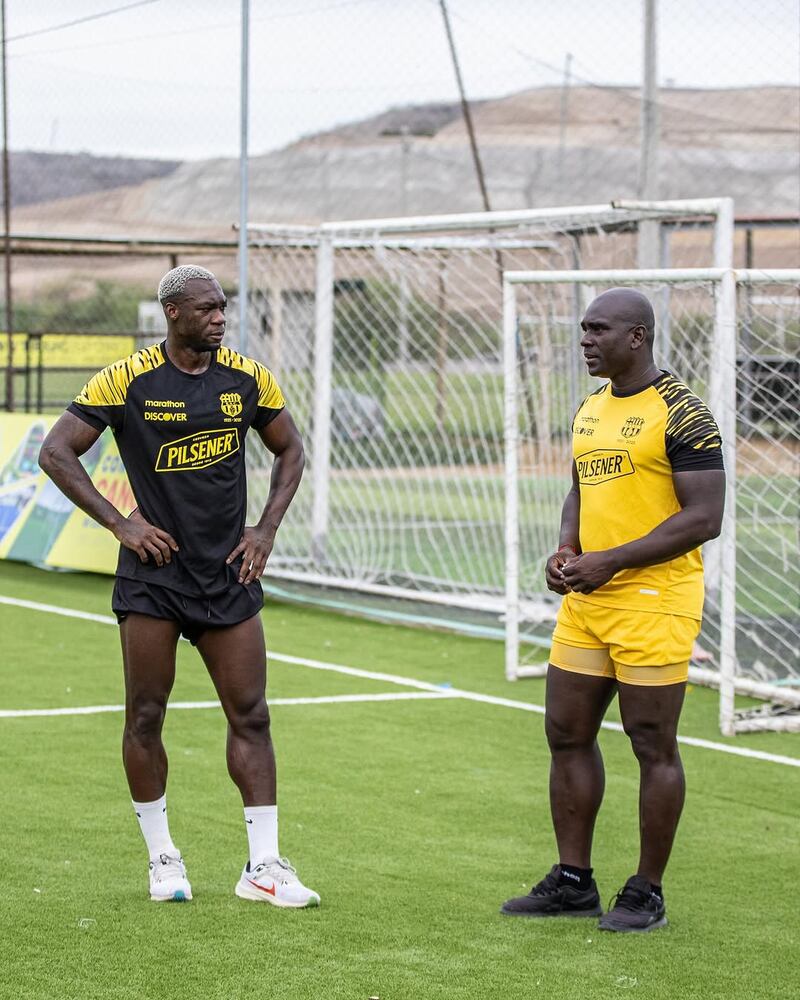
356 112
80 303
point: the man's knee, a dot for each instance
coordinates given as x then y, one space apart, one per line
566 733
145 719
250 720
653 743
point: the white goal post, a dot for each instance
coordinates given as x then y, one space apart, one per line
743 362
386 336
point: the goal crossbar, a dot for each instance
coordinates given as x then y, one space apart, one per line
587 214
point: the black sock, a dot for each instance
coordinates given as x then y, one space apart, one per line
578 878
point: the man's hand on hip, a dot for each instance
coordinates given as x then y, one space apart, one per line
254 546
145 539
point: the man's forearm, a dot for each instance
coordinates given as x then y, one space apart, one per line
569 535
64 468
679 534
287 471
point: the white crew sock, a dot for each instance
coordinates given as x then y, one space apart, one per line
152 818
262 833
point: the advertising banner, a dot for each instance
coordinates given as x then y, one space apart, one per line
37 523
69 350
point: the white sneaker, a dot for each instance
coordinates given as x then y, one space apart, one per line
275 882
168 880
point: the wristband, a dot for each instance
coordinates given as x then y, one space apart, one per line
561 548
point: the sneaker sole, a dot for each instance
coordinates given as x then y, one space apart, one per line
597 912
179 896
245 892
635 930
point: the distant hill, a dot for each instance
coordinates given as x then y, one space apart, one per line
762 117
37 177
539 147
758 119
408 119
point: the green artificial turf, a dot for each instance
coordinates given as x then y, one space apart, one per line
413 819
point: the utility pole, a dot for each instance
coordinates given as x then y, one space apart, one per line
564 113
7 220
406 134
243 176
405 149
473 142
648 156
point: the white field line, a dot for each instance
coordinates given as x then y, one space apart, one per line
486 699
331 699
53 609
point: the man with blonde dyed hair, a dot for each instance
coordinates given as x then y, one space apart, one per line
648 488
188 564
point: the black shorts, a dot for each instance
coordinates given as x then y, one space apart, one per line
194 615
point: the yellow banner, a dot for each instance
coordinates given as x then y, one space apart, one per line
38 524
68 350
18 345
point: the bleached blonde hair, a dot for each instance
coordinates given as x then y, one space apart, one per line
173 284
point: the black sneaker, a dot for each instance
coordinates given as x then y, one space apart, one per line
636 908
552 898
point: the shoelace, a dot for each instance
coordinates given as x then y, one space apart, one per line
630 898
550 883
279 870
168 867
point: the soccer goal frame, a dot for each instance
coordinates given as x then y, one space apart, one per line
434 282
732 674
394 328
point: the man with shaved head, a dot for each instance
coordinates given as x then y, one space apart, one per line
648 489
188 564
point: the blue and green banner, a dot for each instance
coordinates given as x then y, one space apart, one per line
37 522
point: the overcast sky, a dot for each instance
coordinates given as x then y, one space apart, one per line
161 78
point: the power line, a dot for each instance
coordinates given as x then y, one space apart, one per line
80 20
629 92
230 24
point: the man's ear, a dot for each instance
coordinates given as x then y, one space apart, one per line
172 311
638 337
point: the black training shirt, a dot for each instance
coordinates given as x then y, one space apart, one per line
181 438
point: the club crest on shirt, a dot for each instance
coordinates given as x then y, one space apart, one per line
632 427
230 403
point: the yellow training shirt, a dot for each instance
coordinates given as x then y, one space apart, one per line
626 448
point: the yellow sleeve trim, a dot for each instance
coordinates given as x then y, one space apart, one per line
269 393
109 387
689 420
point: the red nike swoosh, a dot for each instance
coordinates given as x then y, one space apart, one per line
255 885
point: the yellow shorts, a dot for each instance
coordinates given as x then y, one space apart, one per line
635 647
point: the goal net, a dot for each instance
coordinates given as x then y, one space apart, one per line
386 336
733 337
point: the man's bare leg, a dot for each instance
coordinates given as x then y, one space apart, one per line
575 706
650 717
236 660
148 657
